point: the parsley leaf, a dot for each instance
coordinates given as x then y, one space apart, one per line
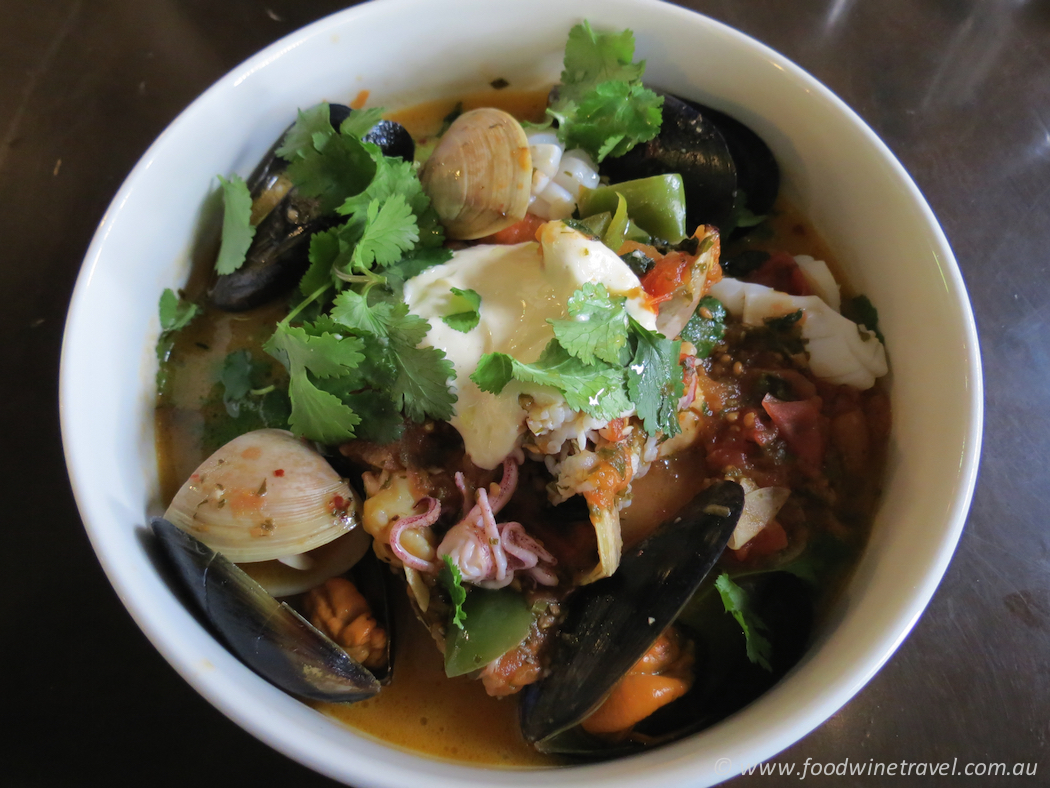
237 229
598 329
595 389
654 380
602 105
452 579
469 316
736 602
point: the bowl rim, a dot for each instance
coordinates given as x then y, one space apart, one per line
678 766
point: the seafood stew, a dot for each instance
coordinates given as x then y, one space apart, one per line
502 364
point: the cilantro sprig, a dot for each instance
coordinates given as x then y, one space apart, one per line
602 105
603 361
468 314
452 579
355 369
738 604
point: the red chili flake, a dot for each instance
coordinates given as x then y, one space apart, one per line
338 504
279 472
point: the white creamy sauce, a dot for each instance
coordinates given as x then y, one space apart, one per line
521 287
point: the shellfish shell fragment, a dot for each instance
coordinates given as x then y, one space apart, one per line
268 636
479 178
265 495
611 623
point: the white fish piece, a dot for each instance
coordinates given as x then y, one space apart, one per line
840 351
820 280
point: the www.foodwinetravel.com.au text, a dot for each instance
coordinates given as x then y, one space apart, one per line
873 768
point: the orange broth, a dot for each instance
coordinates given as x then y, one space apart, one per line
421 711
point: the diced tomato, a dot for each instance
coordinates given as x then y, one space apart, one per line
522 231
666 276
802 427
782 273
771 539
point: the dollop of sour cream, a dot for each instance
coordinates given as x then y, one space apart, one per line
521 286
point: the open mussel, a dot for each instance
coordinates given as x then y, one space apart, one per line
268 636
724 165
612 623
279 253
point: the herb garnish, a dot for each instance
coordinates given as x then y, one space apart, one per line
601 104
738 604
602 361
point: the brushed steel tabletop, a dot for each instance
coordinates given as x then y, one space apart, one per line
958 89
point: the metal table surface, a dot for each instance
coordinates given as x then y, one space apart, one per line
958 89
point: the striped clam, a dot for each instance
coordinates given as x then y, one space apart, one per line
264 517
479 177
273 505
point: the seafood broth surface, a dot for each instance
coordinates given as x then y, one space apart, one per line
423 711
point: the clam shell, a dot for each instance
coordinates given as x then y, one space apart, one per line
265 495
480 175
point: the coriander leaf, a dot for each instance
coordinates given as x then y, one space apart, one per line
312 127
592 57
324 354
413 264
595 389
452 579
392 176
598 328
319 415
860 310
361 121
352 310
738 604
494 372
706 327
469 316
325 249
237 230
421 388
380 420
333 168
654 380
236 379
174 312
390 230
611 119
602 105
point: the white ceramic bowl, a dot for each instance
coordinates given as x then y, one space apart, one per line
404 51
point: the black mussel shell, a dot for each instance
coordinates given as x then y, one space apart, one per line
372 578
757 171
610 624
722 162
279 254
393 139
692 146
268 636
278 257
